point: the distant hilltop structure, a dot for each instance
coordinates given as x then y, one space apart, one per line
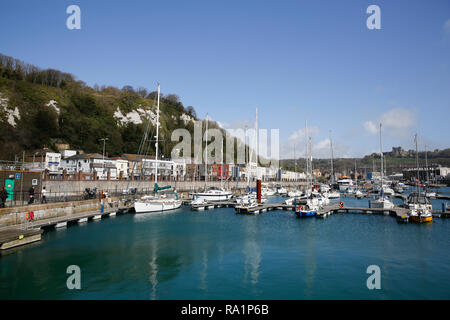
399 152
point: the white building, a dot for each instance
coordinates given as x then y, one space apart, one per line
122 167
91 163
50 161
68 153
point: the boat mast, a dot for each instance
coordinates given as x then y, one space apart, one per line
417 163
206 152
295 165
307 154
381 155
332 169
426 163
256 137
157 134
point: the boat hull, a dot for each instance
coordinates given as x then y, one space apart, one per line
213 197
156 206
420 219
303 214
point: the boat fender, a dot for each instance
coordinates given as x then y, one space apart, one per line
341 204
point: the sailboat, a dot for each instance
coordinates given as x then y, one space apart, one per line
210 193
157 202
419 206
249 201
382 201
312 203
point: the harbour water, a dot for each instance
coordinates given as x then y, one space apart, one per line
217 254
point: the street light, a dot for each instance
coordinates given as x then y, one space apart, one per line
103 155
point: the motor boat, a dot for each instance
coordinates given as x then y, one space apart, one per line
249 196
282 191
359 194
344 184
324 188
309 210
213 194
267 192
295 193
420 213
333 195
199 204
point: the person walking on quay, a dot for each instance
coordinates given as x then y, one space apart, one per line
44 195
3 196
31 193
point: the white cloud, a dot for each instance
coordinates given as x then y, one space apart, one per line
370 127
299 135
396 123
447 26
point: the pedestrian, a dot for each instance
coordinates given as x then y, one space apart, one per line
31 193
44 195
3 196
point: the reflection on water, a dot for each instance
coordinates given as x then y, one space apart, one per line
251 251
218 254
204 271
153 268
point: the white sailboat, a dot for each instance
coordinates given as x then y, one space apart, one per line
157 202
211 193
382 201
418 204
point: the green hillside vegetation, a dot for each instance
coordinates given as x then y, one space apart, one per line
85 116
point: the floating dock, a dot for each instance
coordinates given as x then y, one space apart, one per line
18 237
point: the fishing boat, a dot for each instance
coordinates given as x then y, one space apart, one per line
157 202
420 214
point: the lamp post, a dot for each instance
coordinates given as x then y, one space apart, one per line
103 155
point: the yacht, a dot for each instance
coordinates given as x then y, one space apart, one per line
249 196
213 194
281 191
359 194
310 209
333 194
419 213
382 202
295 193
267 192
157 202
344 184
417 198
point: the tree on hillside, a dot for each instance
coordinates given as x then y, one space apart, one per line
191 111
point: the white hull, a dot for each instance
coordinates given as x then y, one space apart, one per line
212 197
382 204
156 205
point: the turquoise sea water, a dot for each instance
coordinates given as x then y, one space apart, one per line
217 254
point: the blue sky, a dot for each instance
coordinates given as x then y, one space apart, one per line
294 60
